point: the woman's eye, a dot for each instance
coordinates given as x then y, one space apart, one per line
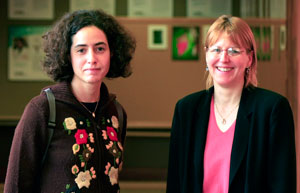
233 51
216 50
99 49
80 51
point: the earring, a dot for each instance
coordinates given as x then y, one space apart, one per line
247 70
206 68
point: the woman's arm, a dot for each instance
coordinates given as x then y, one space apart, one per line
24 163
282 153
173 179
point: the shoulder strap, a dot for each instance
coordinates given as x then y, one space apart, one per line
51 121
120 113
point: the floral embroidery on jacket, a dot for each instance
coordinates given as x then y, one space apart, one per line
113 175
69 124
115 122
83 140
83 179
114 147
83 149
111 134
81 136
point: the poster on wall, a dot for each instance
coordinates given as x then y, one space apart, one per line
153 8
25 53
185 43
31 9
109 6
208 8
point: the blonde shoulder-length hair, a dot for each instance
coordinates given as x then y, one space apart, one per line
240 33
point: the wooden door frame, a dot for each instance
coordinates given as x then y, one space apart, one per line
293 71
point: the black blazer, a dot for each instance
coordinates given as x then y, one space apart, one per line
263 158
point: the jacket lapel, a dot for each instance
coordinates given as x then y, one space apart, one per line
202 118
241 135
200 128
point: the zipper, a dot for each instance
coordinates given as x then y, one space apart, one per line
99 142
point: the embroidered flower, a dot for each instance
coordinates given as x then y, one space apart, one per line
86 155
115 122
83 179
108 146
75 169
75 148
107 167
113 175
108 121
89 147
93 172
91 138
69 123
81 136
120 146
114 151
104 134
112 134
82 164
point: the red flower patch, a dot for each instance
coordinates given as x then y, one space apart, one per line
81 136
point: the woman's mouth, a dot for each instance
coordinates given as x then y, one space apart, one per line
224 69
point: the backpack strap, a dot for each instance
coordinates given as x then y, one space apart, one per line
120 113
51 121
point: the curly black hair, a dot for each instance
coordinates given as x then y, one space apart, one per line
58 41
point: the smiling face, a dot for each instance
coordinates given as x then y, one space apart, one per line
90 55
227 68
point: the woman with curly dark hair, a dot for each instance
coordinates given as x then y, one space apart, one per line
85 152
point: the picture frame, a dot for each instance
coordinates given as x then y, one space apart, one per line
157 37
185 43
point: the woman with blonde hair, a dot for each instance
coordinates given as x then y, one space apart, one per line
233 137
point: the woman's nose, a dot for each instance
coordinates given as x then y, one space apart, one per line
91 57
224 57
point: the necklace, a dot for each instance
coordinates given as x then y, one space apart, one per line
224 118
93 113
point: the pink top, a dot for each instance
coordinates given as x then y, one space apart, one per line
217 156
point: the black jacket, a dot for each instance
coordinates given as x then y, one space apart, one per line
263 158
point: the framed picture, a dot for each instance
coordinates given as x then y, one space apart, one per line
157 37
25 53
185 43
